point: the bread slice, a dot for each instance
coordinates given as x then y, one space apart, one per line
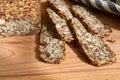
51 48
91 23
93 47
60 25
61 8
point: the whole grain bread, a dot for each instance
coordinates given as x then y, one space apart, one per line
61 8
19 17
51 48
93 47
60 25
91 23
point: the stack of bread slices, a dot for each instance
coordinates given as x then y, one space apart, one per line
69 24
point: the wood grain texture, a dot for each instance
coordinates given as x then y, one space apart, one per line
19 58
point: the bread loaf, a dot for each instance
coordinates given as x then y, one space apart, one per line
19 17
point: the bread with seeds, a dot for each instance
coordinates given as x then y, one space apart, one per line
91 23
51 48
19 17
93 47
60 25
61 8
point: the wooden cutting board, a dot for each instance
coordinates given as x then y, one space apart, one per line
19 57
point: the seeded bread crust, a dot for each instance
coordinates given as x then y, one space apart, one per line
91 23
93 47
60 25
61 8
51 48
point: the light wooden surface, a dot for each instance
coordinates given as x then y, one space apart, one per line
19 58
